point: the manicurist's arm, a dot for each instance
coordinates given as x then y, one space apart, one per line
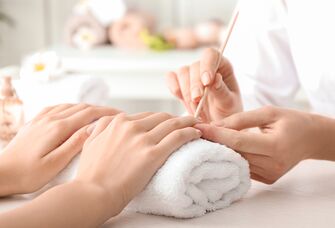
118 159
286 137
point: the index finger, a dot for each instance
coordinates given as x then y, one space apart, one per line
249 142
208 66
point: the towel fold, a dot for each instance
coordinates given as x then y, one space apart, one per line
198 178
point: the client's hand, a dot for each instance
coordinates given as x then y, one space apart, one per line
44 146
123 153
286 137
223 92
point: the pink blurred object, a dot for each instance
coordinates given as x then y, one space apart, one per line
209 32
205 33
182 38
125 32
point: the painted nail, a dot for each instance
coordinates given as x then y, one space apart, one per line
205 78
196 93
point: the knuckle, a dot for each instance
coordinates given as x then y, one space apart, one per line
133 125
48 119
271 111
165 115
150 153
179 134
175 123
121 117
105 119
90 110
59 126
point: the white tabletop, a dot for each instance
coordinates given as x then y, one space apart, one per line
305 197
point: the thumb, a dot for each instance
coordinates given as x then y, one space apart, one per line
219 87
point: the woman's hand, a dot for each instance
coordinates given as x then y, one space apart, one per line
286 137
189 82
45 145
123 153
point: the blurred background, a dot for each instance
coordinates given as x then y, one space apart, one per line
113 52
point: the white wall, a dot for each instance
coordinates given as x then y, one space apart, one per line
28 32
40 23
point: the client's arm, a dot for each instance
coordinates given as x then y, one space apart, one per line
118 160
45 145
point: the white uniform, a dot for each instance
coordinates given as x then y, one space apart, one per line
279 46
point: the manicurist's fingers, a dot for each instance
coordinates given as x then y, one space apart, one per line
237 140
208 64
250 119
173 85
220 90
197 88
183 77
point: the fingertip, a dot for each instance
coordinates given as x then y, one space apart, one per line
206 78
173 85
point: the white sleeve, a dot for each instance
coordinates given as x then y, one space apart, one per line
260 52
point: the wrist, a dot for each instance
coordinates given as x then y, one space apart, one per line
325 135
9 181
109 199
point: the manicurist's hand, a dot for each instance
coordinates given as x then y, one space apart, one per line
123 153
45 145
189 82
286 137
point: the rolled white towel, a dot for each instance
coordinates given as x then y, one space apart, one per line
198 178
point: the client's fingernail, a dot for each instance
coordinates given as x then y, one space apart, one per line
196 93
90 129
199 132
205 79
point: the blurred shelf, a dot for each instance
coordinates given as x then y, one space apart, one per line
108 59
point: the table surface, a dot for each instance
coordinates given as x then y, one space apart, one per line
305 197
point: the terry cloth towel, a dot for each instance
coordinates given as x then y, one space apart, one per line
198 178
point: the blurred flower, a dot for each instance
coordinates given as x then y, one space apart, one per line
85 38
41 66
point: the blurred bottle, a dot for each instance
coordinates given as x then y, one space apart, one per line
11 111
